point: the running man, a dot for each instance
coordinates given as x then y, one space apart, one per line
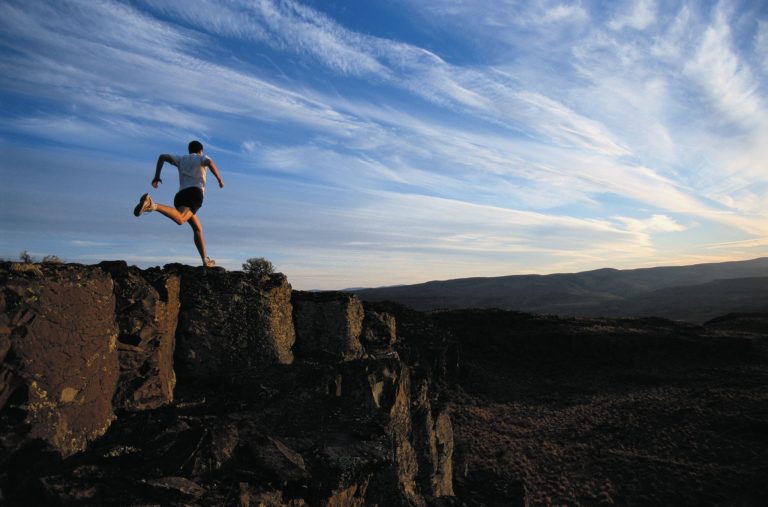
189 199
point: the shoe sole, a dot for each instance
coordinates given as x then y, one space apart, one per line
138 208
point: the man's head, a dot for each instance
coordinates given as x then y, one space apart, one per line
195 147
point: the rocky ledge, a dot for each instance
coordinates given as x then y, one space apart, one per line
192 386
196 387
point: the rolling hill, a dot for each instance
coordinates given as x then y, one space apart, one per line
694 293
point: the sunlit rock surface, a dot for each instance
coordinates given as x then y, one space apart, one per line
230 324
58 339
146 312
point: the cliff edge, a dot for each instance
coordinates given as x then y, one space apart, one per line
196 387
193 386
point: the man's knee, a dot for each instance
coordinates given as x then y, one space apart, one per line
184 215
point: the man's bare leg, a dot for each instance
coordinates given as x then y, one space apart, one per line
179 216
197 228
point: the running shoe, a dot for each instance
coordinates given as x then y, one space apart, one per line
146 204
209 263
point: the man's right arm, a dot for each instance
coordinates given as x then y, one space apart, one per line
159 167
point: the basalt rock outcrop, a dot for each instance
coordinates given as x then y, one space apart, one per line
196 387
330 325
230 323
59 370
336 326
146 313
191 386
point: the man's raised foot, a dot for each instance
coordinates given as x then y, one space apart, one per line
146 204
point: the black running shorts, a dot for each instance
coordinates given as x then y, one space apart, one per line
190 197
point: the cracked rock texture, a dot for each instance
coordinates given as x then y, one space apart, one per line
59 357
329 325
347 423
230 323
147 310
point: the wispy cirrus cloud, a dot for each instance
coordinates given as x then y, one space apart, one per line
573 13
545 135
638 15
725 80
116 77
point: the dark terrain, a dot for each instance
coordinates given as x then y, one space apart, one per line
596 411
185 386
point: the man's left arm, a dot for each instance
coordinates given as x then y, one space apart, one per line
215 171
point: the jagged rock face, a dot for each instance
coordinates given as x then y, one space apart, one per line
433 437
336 325
284 439
379 332
230 323
346 425
147 312
328 325
356 438
400 430
58 343
442 466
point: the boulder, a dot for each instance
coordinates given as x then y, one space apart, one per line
59 356
231 323
328 325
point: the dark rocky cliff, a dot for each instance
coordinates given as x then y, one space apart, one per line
191 386
195 386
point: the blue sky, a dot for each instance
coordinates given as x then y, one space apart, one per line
368 142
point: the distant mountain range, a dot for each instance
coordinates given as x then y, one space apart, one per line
692 293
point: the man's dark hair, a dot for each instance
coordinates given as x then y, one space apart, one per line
195 146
